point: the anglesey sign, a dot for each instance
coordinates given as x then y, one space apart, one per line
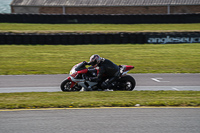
170 39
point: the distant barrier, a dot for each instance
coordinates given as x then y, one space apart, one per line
104 19
100 38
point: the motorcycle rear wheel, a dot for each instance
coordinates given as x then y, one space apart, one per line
127 83
65 86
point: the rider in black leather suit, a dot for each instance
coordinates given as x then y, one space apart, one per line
108 71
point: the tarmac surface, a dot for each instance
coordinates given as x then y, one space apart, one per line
108 120
51 83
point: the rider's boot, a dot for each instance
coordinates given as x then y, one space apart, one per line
89 88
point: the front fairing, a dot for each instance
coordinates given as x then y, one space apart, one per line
73 71
78 69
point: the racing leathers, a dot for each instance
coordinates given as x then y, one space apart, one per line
108 73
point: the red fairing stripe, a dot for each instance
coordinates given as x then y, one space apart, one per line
74 75
128 67
83 71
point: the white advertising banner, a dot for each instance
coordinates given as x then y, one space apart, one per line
173 39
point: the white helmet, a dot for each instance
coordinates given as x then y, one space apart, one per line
95 59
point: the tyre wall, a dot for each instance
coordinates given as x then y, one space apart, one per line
100 38
104 19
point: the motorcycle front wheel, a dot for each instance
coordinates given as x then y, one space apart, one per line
65 86
127 83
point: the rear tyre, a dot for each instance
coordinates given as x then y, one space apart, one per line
127 83
65 86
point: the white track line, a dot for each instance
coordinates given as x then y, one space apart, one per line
175 89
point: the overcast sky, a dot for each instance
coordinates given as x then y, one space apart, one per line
5 6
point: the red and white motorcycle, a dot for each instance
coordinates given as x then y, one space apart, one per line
79 79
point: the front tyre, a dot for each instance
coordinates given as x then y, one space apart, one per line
65 86
127 83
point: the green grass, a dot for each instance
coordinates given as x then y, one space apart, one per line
58 59
17 27
98 99
29 59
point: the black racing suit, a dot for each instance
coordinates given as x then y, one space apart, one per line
107 70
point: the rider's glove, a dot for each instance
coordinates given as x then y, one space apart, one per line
86 63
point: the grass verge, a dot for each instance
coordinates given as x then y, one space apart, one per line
58 28
33 100
59 59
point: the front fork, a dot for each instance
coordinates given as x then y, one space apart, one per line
72 82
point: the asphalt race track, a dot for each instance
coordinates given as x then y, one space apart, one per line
51 83
100 120
107 120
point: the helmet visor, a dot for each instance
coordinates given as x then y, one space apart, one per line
93 63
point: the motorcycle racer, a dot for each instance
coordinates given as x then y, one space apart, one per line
103 74
106 67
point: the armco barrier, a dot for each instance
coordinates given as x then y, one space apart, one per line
100 38
103 19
